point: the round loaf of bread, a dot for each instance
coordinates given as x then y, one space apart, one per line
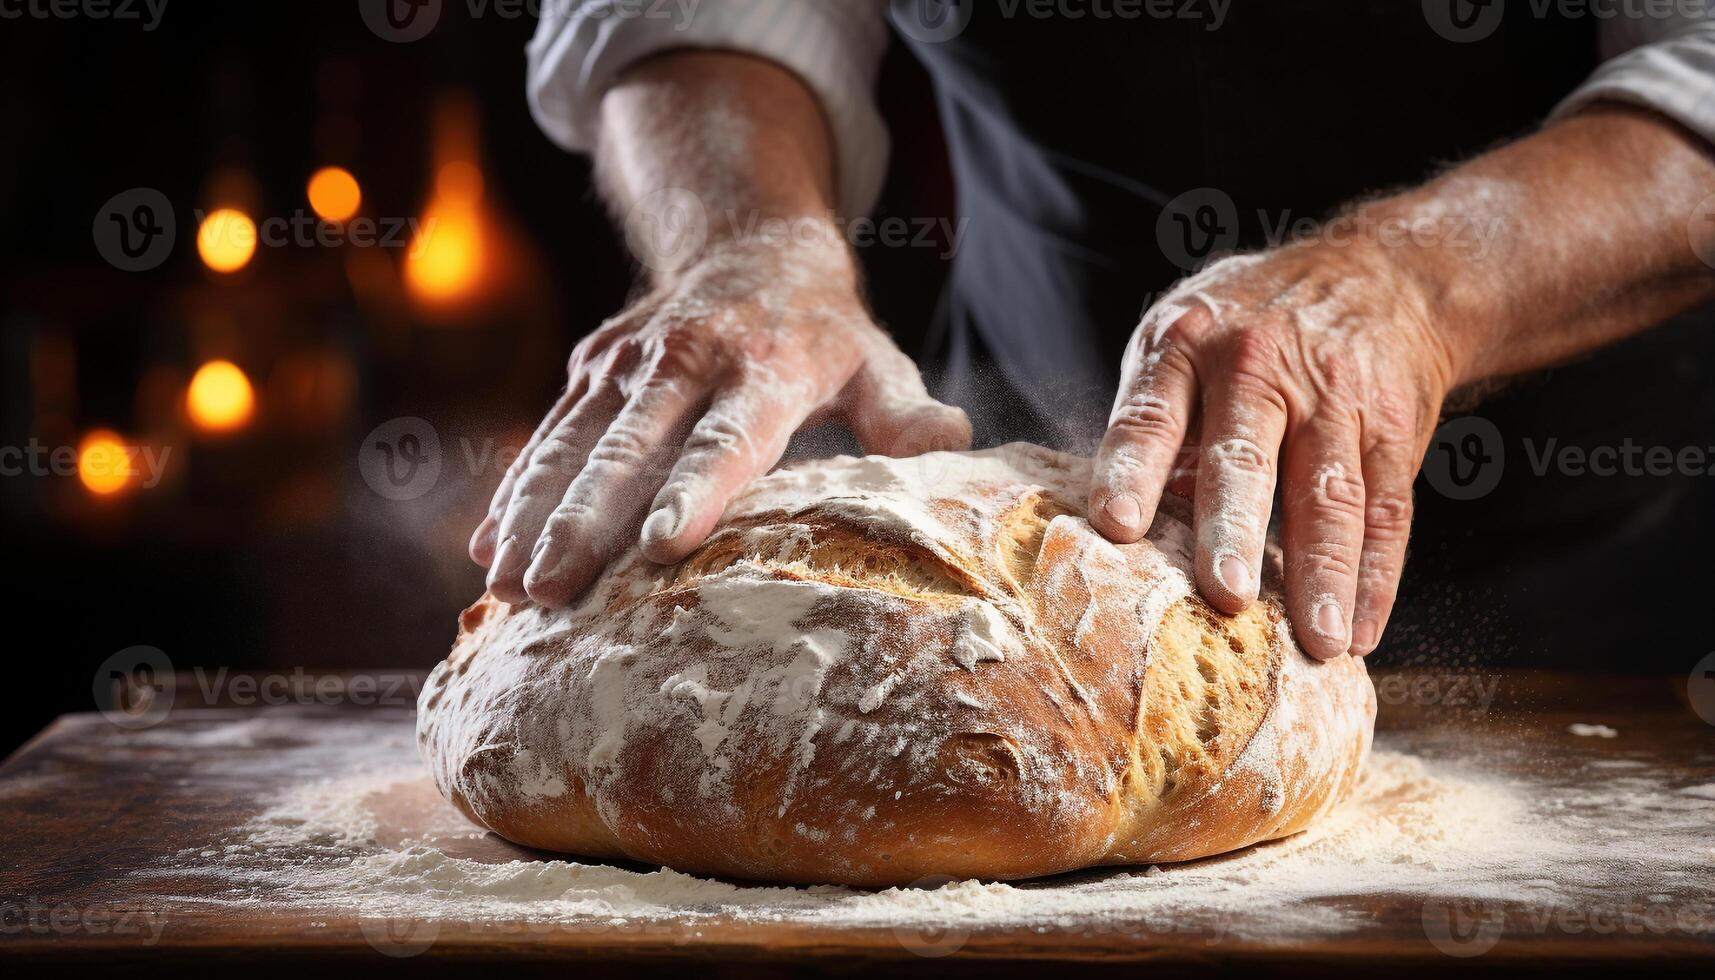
880 670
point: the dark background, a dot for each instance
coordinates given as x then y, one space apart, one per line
265 547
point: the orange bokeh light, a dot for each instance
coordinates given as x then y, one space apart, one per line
104 463
226 240
219 397
447 256
334 193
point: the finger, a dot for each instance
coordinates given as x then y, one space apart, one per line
1183 480
891 413
580 371
487 535
1146 431
1389 468
604 505
738 439
1323 495
547 471
1243 420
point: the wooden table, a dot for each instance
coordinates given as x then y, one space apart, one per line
89 809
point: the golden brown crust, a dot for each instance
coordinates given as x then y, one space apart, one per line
876 672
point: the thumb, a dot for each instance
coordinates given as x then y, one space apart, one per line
891 413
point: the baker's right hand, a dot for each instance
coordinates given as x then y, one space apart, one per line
683 399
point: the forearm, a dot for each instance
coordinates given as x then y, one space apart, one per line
1559 243
744 137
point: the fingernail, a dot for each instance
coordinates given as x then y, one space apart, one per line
482 539
1330 621
1235 575
1365 635
661 525
1122 508
507 560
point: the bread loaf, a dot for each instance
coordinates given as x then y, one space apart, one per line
878 670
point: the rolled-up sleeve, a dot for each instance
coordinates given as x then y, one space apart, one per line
834 46
1664 62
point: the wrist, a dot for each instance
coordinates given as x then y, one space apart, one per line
772 250
675 234
1437 258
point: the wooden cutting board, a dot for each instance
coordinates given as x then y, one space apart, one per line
128 844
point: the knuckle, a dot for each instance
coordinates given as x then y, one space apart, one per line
621 358
1322 561
1333 510
620 447
612 329
683 350
1336 489
1146 418
1387 514
564 523
1334 370
556 454
720 435
1392 415
1238 456
1254 355
1176 325
1163 344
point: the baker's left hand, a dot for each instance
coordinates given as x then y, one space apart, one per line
1313 363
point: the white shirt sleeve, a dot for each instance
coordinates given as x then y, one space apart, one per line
1664 62
834 46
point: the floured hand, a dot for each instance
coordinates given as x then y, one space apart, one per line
687 396
1313 362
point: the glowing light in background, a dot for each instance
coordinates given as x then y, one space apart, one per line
459 180
446 258
219 397
104 463
226 240
334 193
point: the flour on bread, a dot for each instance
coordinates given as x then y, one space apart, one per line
865 651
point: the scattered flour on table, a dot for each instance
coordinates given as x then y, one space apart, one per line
1412 828
1592 731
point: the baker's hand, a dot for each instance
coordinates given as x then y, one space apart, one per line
683 399
1315 363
